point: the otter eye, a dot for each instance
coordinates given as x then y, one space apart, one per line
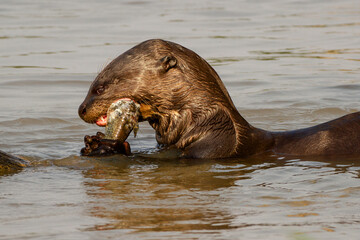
100 90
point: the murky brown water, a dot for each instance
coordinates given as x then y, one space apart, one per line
286 64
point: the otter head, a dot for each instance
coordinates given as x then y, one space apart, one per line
138 74
176 89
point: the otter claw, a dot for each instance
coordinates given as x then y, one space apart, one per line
97 146
100 135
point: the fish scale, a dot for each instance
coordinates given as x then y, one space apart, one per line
122 118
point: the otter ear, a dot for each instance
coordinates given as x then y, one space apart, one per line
168 62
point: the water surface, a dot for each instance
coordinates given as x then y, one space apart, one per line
286 64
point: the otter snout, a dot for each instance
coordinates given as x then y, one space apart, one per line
82 111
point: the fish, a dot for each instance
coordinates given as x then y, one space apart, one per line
122 118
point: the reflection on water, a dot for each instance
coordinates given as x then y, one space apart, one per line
286 64
159 198
219 196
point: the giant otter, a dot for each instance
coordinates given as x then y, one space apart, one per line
185 101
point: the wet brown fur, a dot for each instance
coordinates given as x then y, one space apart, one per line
185 101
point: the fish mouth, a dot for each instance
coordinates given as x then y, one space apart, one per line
102 120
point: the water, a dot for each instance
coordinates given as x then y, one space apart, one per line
286 64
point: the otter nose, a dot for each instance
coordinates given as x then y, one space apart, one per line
82 110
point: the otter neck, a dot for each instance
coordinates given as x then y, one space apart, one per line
250 140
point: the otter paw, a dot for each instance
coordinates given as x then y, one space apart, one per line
97 146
